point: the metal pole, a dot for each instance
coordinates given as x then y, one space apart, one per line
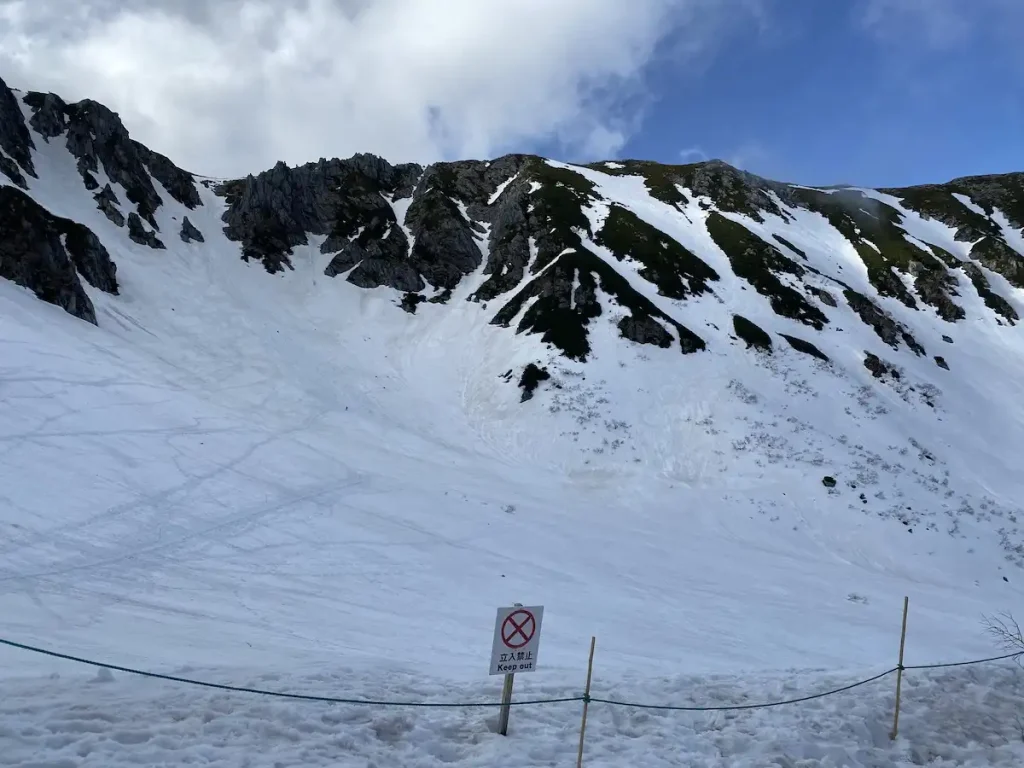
899 672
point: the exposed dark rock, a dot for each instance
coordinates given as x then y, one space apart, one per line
757 261
48 116
791 247
179 184
941 362
878 368
823 296
274 212
138 232
645 330
531 379
107 202
947 339
752 334
551 215
33 256
995 254
934 284
828 481
1003 191
727 187
805 347
89 256
98 139
677 272
889 330
992 300
509 246
444 249
566 301
15 139
189 233
410 301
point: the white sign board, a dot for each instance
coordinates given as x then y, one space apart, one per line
516 639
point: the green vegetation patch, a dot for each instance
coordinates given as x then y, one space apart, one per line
791 247
566 301
888 329
992 300
757 261
862 219
996 255
661 180
676 271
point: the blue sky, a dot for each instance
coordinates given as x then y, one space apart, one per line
871 92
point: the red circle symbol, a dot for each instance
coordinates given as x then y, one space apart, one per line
518 629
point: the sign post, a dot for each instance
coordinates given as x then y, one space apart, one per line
514 649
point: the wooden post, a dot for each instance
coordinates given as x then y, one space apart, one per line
506 698
506 705
899 672
586 702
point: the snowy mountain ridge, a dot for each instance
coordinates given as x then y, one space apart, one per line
307 429
877 300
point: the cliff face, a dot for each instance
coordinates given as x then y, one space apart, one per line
893 310
546 237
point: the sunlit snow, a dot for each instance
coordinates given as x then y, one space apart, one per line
285 481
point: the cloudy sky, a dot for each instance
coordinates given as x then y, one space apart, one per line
879 92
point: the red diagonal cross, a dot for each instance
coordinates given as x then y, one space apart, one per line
517 629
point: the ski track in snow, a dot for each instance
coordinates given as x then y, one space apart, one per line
286 481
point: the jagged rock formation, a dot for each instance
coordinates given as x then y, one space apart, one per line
16 143
107 202
139 234
552 251
189 233
47 254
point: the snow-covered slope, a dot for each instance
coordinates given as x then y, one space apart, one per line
317 457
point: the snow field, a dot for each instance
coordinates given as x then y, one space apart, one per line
286 481
958 717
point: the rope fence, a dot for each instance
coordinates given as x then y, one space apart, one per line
484 704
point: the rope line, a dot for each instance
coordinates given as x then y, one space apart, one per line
482 704
1014 655
736 707
280 694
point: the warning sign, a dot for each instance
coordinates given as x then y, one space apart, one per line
516 639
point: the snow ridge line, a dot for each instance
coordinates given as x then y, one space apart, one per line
526 702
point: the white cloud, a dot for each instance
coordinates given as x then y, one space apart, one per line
938 23
943 25
230 87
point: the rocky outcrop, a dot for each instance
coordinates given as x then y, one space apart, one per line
889 330
549 252
15 141
107 202
49 116
138 233
275 211
33 255
97 138
751 333
189 233
804 346
532 376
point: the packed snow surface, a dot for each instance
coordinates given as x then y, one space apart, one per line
286 482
